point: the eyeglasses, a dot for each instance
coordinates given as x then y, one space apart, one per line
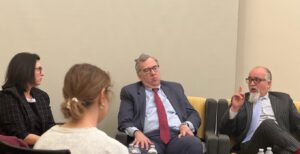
256 80
155 68
39 69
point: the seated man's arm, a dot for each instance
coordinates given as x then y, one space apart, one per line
185 130
141 139
193 120
191 117
130 131
126 119
126 111
228 123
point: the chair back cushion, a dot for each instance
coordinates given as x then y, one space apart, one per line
297 104
199 105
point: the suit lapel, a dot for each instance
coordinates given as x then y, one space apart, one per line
142 102
172 100
274 102
26 110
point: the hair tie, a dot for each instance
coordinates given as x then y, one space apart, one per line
69 102
75 99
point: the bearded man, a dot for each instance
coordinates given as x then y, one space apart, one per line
261 118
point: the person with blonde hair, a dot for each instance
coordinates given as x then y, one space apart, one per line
86 93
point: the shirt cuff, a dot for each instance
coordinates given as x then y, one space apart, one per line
130 131
232 114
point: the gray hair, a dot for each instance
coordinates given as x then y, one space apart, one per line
142 58
268 72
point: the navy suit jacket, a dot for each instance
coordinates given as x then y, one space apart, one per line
284 109
133 105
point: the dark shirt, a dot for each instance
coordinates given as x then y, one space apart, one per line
36 119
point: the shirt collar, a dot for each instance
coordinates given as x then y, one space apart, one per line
264 97
150 89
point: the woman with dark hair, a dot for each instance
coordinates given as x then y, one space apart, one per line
24 109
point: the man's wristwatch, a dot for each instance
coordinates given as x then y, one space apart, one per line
185 123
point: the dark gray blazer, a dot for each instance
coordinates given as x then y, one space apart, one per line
17 118
284 109
133 105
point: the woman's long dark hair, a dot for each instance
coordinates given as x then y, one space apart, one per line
20 71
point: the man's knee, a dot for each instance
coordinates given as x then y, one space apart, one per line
267 126
195 146
191 140
268 123
186 144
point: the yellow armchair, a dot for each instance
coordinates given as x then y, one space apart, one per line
297 104
199 105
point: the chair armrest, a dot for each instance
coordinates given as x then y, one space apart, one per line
211 142
211 138
224 144
123 138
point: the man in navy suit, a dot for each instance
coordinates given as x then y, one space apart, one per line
262 118
139 114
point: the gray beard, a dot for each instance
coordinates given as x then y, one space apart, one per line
253 97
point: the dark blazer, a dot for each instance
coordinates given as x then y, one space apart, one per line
17 116
133 105
284 109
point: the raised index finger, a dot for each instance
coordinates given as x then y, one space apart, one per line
240 89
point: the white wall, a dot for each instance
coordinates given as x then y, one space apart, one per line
268 34
194 40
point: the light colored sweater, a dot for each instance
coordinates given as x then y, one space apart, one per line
80 141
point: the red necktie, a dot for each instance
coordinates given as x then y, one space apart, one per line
162 118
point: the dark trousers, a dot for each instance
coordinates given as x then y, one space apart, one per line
183 145
268 134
